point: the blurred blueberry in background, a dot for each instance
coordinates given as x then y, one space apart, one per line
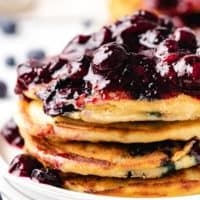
87 23
3 89
10 61
8 26
36 54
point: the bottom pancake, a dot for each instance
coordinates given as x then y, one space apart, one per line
184 182
152 160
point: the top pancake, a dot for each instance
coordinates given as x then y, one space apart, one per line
182 107
108 76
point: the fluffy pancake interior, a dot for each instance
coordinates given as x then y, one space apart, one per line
112 159
184 182
30 114
182 107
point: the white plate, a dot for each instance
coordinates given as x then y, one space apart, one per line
24 188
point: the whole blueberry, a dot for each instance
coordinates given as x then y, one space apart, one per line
47 176
103 36
10 61
8 26
108 57
3 89
36 54
186 38
76 48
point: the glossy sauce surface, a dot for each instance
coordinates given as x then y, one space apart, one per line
24 165
138 57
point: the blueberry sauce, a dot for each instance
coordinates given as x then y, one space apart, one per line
47 176
23 165
11 133
140 56
35 71
139 149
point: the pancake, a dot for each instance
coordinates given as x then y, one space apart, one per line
150 160
119 107
182 107
179 108
109 77
184 182
30 117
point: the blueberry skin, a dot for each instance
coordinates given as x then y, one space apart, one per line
8 26
47 176
10 61
36 54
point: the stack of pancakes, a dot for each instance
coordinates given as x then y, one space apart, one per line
116 146
118 159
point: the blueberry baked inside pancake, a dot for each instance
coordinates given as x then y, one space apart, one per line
116 113
32 119
152 160
181 183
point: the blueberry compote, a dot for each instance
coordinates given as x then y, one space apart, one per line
141 56
25 165
11 133
47 176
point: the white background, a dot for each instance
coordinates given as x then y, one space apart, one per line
49 25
